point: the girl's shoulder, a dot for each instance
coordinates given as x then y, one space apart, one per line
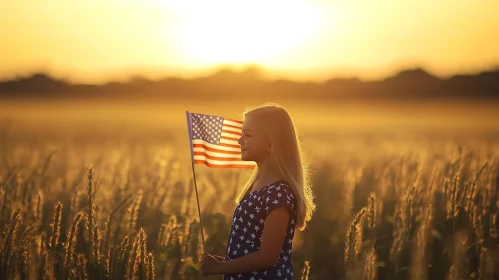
281 186
279 194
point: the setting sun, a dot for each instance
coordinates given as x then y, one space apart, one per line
97 41
243 32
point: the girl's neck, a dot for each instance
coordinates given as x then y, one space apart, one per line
266 175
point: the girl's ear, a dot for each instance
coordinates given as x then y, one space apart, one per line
268 146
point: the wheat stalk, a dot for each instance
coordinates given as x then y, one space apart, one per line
134 212
8 247
306 270
55 227
70 246
93 228
151 271
353 242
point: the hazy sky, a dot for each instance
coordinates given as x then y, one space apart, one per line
90 40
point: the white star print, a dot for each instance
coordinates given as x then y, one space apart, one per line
245 229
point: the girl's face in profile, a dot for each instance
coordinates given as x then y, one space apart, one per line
254 144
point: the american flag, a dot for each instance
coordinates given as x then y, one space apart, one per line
214 141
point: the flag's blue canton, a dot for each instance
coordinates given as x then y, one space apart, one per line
207 128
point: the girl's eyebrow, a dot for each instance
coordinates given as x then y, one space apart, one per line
247 130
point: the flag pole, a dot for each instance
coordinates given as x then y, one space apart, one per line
189 127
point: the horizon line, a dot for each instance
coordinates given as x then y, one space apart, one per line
263 74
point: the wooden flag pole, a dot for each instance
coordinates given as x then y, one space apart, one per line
189 127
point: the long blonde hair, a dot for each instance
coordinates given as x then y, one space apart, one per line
286 157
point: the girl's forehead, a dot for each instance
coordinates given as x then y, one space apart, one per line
247 122
250 123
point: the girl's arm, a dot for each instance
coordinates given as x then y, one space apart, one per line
274 232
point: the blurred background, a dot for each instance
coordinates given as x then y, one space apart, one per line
385 94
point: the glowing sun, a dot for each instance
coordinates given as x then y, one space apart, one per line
228 31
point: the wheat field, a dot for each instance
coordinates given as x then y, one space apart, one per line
111 204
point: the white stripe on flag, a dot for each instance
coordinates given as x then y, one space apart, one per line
229 122
236 130
225 134
232 142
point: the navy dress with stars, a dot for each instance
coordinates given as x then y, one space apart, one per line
247 227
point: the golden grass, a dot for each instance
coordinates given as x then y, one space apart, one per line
389 206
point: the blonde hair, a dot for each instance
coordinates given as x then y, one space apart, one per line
286 157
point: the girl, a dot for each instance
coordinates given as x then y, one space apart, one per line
275 201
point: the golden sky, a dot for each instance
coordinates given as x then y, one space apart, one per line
90 40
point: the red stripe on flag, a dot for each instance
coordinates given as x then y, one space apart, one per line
229 145
236 121
217 158
228 138
232 126
232 133
223 166
217 150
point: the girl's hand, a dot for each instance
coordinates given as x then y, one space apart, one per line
211 264
219 258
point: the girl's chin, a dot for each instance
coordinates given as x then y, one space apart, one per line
244 156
